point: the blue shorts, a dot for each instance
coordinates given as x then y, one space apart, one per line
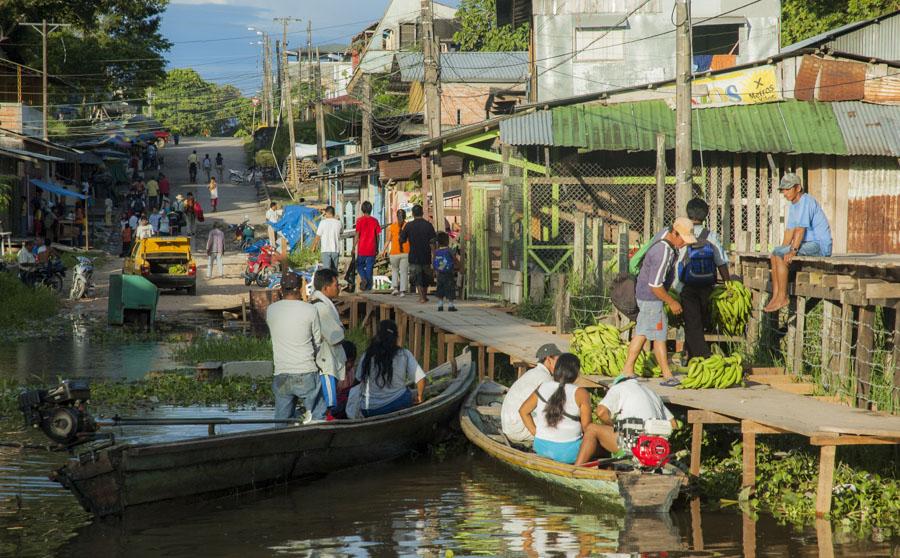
806 249
564 452
402 401
652 321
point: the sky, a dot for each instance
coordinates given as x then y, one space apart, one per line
211 36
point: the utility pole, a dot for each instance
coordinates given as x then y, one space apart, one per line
433 107
321 146
293 170
44 29
365 144
267 69
309 67
683 149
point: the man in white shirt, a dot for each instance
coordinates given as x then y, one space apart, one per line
510 420
328 234
27 262
272 217
330 358
294 327
628 398
145 230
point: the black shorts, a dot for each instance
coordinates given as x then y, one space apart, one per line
419 275
446 285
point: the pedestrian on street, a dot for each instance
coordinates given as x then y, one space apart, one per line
213 194
445 265
192 166
652 293
220 165
328 235
190 214
398 252
207 166
294 327
164 188
215 249
153 195
419 233
365 245
273 215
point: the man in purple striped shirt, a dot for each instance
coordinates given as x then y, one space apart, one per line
652 293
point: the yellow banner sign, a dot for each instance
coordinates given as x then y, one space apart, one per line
742 87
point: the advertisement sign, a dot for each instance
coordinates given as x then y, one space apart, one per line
742 87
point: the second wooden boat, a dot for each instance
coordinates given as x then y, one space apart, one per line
633 491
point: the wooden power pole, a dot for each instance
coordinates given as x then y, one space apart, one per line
321 146
365 143
683 149
45 29
287 99
433 107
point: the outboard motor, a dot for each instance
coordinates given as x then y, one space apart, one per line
60 412
646 440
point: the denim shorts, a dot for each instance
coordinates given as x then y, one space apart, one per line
564 452
652 321
806 249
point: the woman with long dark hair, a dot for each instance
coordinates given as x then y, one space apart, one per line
561 423
384 372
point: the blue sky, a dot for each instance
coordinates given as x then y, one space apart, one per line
212 36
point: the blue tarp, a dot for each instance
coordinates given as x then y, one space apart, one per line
56 189
298 221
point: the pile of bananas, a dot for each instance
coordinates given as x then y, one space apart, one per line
714 372
177 269
731 305
674 320
601 351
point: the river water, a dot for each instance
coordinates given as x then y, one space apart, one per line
463 505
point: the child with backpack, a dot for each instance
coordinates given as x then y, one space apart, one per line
445 264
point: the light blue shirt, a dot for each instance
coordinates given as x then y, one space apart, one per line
807 213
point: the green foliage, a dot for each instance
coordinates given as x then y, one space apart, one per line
243 347
480 32
22 304
303 257
805 18
111 46
7 186
265 158
182 390
186 103
537 312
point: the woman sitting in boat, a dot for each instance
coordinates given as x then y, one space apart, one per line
561 424
384 372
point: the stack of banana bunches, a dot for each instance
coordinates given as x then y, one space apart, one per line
602 351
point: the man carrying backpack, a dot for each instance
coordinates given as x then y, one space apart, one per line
697 268
657 273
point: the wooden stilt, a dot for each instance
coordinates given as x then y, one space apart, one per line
696 445
824 538
749 531
696 525
417 341
826 480
749 451
441 348
491 362
401 327
426 347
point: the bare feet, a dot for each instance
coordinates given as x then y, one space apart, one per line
775 305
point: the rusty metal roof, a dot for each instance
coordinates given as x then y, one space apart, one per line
869 129
783 127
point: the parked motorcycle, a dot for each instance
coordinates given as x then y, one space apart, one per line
51 275
236 177
84 272
242 233
259 264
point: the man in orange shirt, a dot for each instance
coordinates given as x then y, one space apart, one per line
399 256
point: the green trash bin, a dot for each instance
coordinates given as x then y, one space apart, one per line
132 299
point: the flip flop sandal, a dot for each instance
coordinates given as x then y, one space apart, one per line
671 382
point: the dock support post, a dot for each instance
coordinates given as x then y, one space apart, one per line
401 327
749 454
696 525
826 480
799 336
491 362
441 348
696 445
417 340
426 353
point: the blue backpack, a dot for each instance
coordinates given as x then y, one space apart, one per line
443 260
698 267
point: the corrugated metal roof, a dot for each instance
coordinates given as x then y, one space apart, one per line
535 128
869 129
468 67
785 127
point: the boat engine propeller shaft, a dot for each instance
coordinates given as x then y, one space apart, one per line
60 412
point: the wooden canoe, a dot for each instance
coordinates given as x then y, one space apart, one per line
109 481
629 490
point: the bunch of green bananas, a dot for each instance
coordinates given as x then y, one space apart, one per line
674 320
731 305
714 372
601 351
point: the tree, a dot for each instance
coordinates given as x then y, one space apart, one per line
480 32
111 46
186 103
804 18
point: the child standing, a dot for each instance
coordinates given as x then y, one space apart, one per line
445 265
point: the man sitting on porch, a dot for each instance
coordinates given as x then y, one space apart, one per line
807 234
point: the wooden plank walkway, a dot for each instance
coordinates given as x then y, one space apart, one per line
759 409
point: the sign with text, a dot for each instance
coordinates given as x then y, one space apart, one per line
741 87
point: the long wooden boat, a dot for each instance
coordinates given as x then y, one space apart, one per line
110 480
628 490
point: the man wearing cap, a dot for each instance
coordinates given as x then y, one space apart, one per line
807 233
652 294
628 398
510 420
294 327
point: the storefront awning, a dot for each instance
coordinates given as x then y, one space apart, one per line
28 155
56 189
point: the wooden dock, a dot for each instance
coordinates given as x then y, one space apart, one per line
759 409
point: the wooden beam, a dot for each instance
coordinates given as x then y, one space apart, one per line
441 347
799 336
865 342
749 454
752 427
883 290
826 480
849 440
696 525
696 447
426 353
708 417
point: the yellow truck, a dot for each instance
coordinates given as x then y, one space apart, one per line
165 261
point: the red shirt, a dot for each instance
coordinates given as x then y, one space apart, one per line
368 229
164 186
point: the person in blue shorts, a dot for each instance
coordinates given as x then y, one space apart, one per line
558 415
807 233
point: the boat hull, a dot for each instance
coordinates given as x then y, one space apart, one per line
112 480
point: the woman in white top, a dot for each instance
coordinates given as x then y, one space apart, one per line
561 424
384 372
